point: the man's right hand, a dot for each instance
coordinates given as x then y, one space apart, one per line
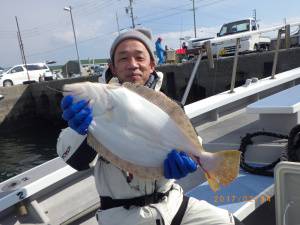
78 115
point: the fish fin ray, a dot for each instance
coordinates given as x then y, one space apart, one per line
226 170
213 183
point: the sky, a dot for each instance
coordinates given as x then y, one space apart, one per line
47 34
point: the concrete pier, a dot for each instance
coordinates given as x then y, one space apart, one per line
28 105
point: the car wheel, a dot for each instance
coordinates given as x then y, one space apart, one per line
7 83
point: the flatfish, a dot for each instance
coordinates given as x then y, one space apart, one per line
135 127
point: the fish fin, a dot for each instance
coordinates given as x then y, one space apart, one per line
226 169
213 183
170 107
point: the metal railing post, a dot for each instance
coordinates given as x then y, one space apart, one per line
287 36
276 54
189 85
209 54
235 62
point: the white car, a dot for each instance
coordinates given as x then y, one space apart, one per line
20 73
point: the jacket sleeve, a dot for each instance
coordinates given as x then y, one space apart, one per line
74 150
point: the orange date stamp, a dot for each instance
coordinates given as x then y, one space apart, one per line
241 198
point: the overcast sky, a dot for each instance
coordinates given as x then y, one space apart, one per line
47 31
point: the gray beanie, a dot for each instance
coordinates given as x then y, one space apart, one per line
142 35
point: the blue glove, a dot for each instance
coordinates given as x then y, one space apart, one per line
78 115
178 165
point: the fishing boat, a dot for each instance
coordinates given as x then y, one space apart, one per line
241 118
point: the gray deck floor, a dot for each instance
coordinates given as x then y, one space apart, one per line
227 134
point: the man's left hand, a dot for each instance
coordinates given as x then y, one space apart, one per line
178 165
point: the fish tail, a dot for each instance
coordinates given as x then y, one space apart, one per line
226 169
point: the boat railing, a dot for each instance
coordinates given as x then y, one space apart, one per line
281 29
212 108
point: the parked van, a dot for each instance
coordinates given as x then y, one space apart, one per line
20 73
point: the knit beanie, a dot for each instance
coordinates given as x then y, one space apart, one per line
141 35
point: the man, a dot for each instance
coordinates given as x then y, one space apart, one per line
184 46
125 198
159 51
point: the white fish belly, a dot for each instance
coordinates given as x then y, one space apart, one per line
136 130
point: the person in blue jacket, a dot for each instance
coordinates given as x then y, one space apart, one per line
125 198
160 52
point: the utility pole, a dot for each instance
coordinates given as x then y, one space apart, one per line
69 9
22 48
254 14
20 45
130 7
118 23
195 32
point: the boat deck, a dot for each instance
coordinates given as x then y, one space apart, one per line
222 134
226 134
249 192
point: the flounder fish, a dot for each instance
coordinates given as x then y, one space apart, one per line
135 127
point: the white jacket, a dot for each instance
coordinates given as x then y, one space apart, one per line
113 182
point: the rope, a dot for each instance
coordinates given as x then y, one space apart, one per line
293 146
263 170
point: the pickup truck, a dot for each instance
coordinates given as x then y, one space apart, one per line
253 42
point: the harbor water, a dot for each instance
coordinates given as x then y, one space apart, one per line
25 149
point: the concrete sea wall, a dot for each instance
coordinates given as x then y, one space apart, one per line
212 81
33 104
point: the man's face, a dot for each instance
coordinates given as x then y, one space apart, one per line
132 62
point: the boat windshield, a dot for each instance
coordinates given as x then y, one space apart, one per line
235 27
